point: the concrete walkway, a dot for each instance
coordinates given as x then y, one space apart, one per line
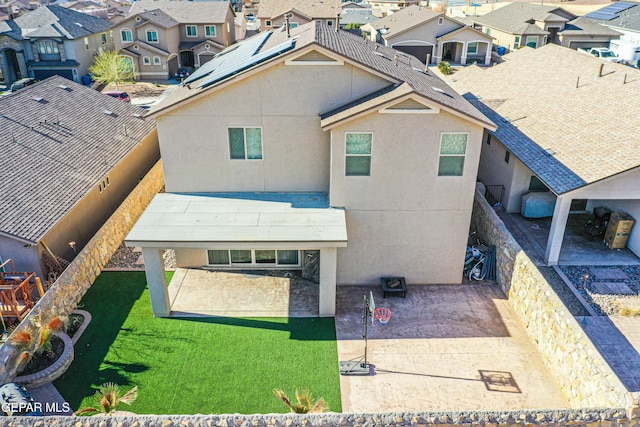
454 347
52 401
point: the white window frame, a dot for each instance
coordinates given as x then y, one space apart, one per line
244 128
86 43
47 47
537 39
370 155
475 50
157 60
146 60
194 27
253 262
330 22
103 38
293 25
464 156
516 42
440 20
150 31
128 31
207 29
268 23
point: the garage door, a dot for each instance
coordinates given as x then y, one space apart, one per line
587 45
419 51
44 74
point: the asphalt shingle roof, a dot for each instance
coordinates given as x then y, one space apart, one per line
569 136
56 145
404 19
57 21
513 17
158 17
312 8
585 26
186 12
376 57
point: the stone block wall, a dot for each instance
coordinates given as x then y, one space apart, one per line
582 373
68 290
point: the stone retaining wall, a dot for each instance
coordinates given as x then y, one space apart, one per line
548 418
68 290
582 373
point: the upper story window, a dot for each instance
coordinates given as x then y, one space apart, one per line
156 60
440 20
152 35
488 31
358 153
103 38
47 47
126 35
192 31
210 30
267 23
86 43
330 22
453 148
293 25
245 143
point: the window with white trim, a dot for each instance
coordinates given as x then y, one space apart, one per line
472 48
86 43
516 42
103 38
440 20
245 143
257 257
210 30
192 31
293 25
267 23
330 22
146 60
453 148
532 41
358 153
156 60
152 35
126 35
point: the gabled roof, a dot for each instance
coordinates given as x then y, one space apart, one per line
57 21
357 16
585 26
146 46
186 12
264 47
314 8
515 18
156 17
62 144
568 136
462 29
405 19
623 14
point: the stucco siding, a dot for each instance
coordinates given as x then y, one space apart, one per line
189 258
404 219
25 257
295 149
426 32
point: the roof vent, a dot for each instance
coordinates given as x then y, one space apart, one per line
78 24
109 113
549 151
137 115
63 87
437 89
37 98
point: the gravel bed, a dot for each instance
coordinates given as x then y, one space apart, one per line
565 294
603 304
127 258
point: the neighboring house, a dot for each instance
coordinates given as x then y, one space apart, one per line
73 154
271 13
421 32
623 17
528 24
51 40
391 6
89 7
356 17
283 147
571 132
160 37
241 25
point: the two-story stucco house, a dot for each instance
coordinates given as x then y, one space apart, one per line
527 24
160 37
272 13
51 40
286 146
422 32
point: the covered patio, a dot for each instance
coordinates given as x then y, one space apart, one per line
234 231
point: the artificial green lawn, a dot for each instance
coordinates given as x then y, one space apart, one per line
196 365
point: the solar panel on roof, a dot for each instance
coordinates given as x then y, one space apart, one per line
611 11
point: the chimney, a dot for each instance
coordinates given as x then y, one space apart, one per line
337 21
287 16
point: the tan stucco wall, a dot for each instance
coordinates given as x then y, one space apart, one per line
503 39
295 149
279 21
426 32
141 34
404 219
186 258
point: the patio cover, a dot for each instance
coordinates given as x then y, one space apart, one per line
232 220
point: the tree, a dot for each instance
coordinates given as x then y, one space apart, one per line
107 399
353 26
305 404
111 67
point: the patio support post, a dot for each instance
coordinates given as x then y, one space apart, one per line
556 233
157 281
328 268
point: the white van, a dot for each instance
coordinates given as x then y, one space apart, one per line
626 50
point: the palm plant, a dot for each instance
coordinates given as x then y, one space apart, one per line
304 404
107 399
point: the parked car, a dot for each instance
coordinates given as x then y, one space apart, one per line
602 53
123 96
184 72
22 83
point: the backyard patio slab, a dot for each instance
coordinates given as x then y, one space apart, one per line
446 347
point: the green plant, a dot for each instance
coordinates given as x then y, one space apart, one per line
112 68
304 404
445 68
353 26
107 399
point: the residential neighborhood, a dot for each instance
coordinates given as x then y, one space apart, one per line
316 212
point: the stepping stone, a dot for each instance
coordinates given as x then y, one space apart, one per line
613 288
609 274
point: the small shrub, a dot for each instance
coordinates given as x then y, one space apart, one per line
445 68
